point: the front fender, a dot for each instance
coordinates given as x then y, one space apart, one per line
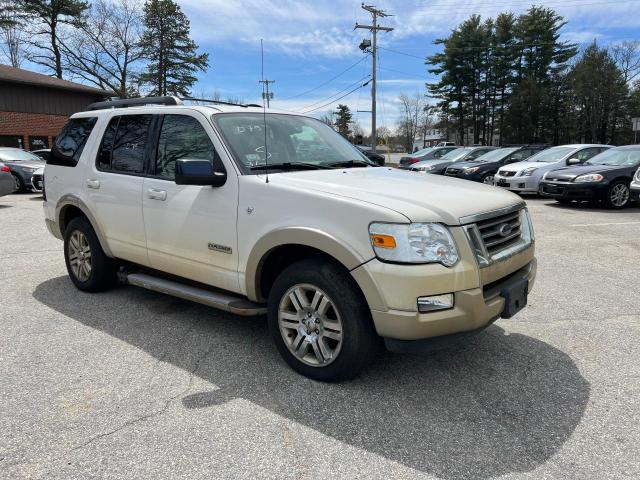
306 236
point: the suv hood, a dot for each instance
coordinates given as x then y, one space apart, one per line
420 198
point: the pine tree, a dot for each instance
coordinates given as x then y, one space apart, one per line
343 120
48 16
172 54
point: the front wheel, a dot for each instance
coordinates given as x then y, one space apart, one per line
488 179
320 321
18 184
618 195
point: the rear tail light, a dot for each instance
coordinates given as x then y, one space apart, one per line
4 168
413 160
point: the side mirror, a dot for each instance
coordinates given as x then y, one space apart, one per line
574 161
192 171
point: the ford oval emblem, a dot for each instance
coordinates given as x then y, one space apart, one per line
505 229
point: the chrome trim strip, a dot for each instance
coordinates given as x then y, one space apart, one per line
493 213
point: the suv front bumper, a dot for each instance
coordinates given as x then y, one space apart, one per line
477 296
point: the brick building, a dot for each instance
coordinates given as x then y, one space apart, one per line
34 107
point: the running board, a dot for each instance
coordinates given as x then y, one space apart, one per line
221 301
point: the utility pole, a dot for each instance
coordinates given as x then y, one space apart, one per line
374 28
266 95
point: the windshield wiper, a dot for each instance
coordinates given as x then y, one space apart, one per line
350 163
290 166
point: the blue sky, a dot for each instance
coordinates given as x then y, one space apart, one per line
308 42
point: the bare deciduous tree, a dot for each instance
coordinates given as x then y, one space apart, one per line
13 37
105 49
411 110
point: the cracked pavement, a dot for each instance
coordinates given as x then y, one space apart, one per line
134 384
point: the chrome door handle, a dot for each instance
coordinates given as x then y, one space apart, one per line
155 194
91 183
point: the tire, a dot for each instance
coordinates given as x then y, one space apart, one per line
89 268
19 184
618 195
488 178
316 308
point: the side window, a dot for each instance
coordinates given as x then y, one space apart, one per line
587 153
70 142
106 146
181 136
130 143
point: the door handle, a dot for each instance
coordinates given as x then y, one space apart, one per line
92 183
155 194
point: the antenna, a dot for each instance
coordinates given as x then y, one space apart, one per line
264 113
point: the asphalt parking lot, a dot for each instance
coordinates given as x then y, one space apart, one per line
134 384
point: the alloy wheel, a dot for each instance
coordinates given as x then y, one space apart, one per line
310 325
619 195
80 255
488 180
17 183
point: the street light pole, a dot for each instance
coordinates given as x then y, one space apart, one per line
374 28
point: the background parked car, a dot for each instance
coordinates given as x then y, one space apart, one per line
22 165
377 158
524 177
461 154
635 186
7 185
43 153
605 177
37 180
430 153
485 167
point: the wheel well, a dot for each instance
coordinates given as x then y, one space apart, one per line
67 214
279 258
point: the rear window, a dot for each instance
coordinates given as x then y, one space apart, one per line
70 142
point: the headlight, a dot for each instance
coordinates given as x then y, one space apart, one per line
589 178
471 169
424 169
527 172
413 243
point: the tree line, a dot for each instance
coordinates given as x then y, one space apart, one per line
510 79
121 46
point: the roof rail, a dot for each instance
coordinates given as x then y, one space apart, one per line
220 102
134 102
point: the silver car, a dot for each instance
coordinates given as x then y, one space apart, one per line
461 154
524 177
22 164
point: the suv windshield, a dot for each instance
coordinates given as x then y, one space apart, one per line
623 158
551 155
496 155
18 156
292 141
456 154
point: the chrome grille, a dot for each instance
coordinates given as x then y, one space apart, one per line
500 232
498 235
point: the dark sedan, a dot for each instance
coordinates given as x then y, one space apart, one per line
485 167
460 154
22 165
606 177
376 158
431 153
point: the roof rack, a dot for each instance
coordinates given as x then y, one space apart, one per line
134 102
220 102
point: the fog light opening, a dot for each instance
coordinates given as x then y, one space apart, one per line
435 302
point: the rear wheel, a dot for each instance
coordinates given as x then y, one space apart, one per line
320 322
618 195
88 266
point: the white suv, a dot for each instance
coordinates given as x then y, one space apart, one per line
258 212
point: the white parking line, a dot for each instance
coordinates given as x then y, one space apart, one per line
603 224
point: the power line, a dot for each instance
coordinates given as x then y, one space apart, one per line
491 8
327 82
357 82
527 3
339 98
